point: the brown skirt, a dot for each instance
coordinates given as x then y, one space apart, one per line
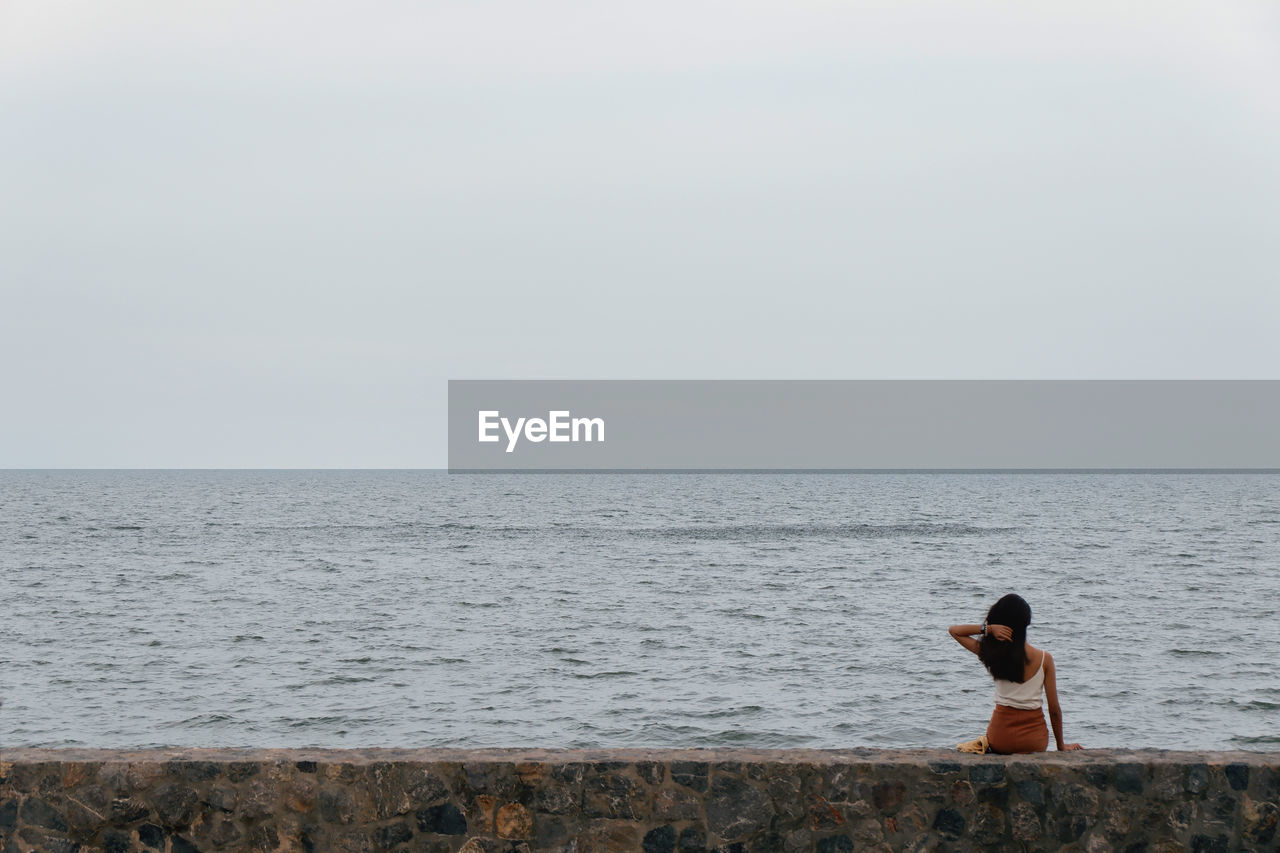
1017 730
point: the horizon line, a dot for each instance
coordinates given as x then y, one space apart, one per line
446 470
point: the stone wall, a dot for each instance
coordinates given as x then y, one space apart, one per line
668 801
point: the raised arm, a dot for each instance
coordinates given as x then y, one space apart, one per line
1055 710
964 634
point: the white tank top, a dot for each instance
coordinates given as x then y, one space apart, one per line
1024 695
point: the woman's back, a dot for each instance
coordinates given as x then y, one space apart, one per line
1025 694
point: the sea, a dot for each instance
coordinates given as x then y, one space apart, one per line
423 608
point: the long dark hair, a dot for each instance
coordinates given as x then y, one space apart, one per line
1007 661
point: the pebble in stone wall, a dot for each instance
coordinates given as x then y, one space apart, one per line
682 801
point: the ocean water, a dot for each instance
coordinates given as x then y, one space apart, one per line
418 608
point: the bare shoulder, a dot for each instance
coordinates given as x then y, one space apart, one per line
1033 653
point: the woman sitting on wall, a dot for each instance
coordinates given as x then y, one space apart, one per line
1021 673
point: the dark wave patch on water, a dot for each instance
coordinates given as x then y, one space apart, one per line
773 532
765 531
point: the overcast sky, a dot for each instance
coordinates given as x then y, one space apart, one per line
256 234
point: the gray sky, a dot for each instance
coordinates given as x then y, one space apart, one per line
265 234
